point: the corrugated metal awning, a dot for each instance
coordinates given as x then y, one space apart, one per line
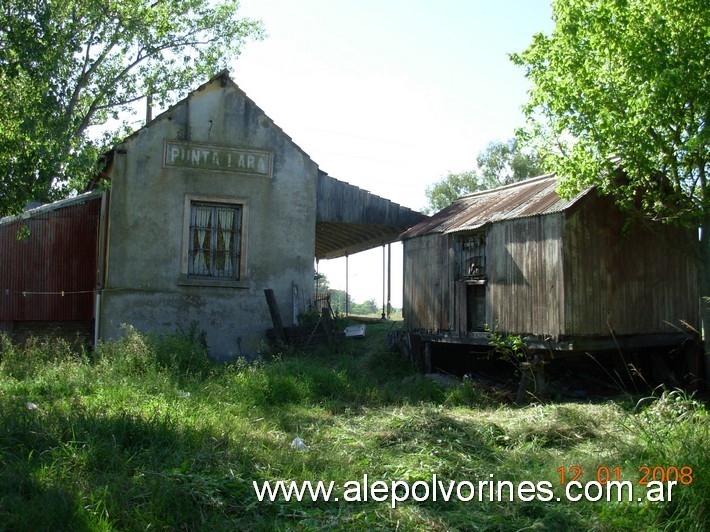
350 219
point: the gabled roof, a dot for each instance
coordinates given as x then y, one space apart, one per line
224 78
532 197
348 219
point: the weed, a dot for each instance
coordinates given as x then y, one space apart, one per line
26 361
150 434
672 430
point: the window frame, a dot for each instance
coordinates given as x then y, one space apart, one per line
191 279
471 257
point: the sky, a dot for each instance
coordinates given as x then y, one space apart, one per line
389 95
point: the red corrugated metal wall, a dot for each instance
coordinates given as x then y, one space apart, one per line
50 273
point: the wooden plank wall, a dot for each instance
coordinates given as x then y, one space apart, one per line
524 267
428 283
564 274
338 201
642 282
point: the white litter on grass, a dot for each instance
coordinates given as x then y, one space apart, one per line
298 444
31 406
355 331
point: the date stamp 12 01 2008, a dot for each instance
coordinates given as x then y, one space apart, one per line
681 474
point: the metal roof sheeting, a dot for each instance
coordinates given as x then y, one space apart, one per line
49 207
350 219
532 197
50 272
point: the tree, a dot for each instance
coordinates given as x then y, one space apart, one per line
67 65
340 301
500 163
503 163
365 308
451 187
620 99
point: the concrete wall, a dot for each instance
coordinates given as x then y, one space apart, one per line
146 283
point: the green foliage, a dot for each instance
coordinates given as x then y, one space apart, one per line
68 65
129 355
503 163
625 85
507 347
620 100
309 317
500 163
450 188
23 233
671 430
125 443
30 359
365 308
338 299
136 353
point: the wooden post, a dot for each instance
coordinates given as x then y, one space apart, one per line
383 282
275 315
389 280
533 382
427 358
347 278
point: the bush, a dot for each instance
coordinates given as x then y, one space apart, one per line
22 362
184 352
674 430
181 354
128 355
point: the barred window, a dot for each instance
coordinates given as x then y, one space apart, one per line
214 241
471 257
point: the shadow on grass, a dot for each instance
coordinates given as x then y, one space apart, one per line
88 471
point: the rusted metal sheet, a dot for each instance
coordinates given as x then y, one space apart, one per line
528 198
48 258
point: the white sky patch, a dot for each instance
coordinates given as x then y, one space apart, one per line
390 95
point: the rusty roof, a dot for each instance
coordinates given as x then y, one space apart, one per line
49 207
532 197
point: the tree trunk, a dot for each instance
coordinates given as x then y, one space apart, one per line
705 293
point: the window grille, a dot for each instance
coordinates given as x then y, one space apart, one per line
472 257
214 241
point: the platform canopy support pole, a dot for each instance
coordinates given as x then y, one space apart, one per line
347 292
383 281
389 280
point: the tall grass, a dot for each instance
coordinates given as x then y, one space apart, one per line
147 432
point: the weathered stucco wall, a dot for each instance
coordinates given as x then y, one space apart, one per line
152 185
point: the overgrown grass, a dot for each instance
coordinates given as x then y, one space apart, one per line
148 433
